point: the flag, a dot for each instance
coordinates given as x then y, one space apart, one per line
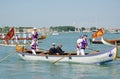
98 33
9 35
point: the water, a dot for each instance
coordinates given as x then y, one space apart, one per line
15 68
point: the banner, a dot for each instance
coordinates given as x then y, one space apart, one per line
9 35
98 33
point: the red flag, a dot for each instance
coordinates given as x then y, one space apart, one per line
9 35
98 33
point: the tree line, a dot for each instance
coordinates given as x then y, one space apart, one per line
5 29
62 28
70 28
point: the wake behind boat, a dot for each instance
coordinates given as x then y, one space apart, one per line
91 58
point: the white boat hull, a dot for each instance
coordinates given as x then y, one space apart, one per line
99 58
104 41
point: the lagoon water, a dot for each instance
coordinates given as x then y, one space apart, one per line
15 68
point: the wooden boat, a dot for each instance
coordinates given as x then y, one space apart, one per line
96 35
110 42
12 45
91 58
21 38
95 41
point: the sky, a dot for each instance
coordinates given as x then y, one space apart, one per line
46 13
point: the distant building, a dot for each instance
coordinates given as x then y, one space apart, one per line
44 30
30 29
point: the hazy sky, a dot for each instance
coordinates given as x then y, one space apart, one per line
40 13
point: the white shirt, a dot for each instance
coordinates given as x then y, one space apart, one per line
79 40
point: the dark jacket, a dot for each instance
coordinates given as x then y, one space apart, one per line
52 51
59 50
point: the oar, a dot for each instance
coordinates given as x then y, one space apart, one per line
118 56
42 49
93 49
61 58
6 56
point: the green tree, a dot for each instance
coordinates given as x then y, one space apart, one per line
83 28
21 29
62 28
6 29
93 28
0 30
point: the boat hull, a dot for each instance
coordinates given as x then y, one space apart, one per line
99 58
110 42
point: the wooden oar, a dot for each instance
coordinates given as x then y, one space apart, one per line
6 56
61 58
118 56
42 49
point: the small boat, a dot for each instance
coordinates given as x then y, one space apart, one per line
110 42
96 35
99 34
12 45
28 38
55 33
95 41
91 58
115 31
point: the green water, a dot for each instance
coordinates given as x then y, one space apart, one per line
15 68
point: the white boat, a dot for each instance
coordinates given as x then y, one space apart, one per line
96 58
110 42
55 33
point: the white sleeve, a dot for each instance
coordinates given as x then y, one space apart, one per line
33 32
79 40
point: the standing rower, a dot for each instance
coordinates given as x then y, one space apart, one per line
82 45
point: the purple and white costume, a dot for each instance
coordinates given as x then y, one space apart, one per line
81 45
34 46
34 35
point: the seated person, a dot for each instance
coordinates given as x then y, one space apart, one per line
59 49
53 50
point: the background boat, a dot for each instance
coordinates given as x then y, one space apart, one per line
55 33
111 42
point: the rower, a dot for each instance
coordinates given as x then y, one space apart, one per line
16 39
35 34
82 45
53 50
59 49
34 46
